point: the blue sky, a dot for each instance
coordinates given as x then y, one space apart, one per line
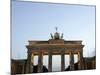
35 21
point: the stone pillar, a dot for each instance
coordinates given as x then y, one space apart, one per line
40 62
32 61
62 60
81 59
71 61
79 63
23 68
85 65
29 64
50 62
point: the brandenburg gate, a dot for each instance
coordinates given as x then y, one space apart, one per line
54 46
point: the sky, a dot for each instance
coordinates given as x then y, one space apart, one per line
35 21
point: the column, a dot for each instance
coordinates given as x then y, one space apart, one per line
32 61
81 59
50 62
29 64
79 63
85 65
62 60
71 61
23 68
40 62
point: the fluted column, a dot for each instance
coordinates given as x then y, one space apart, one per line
40 62
62 60
71 61
79 62
29 64
81 59
50 62
32 61
23 69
